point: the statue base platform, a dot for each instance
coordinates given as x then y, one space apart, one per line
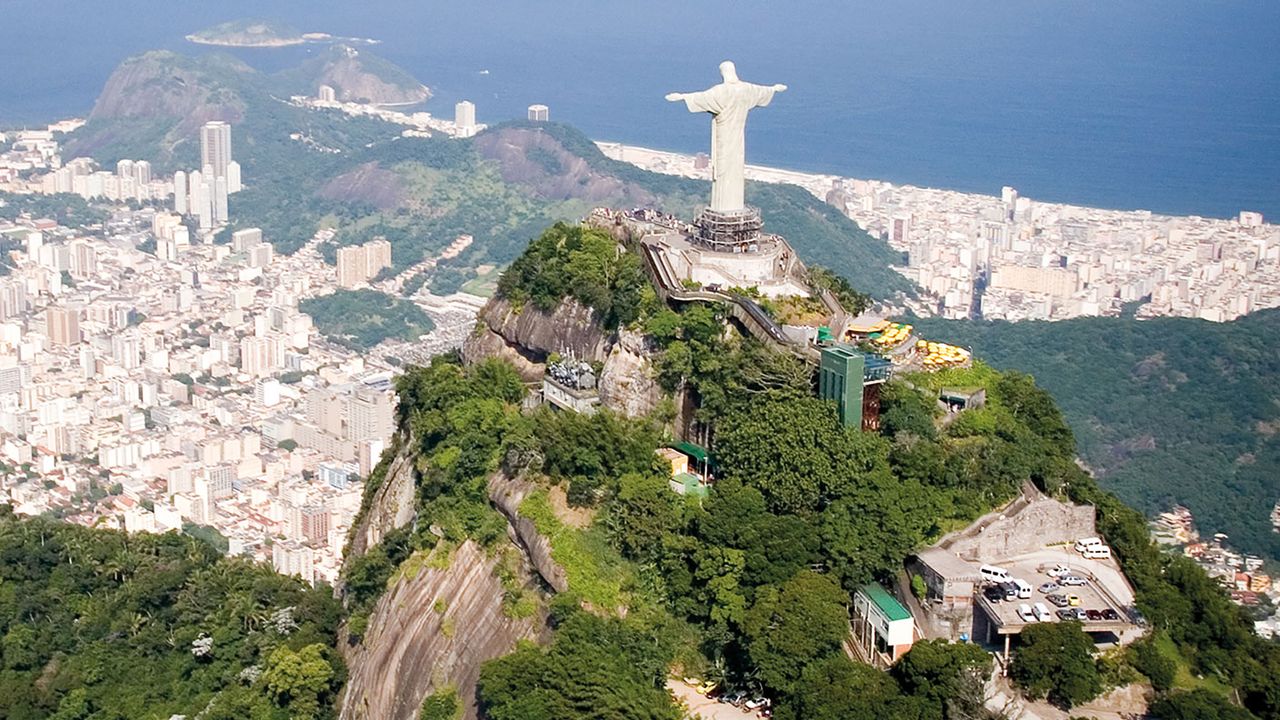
734 231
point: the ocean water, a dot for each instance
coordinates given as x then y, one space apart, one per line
1172 106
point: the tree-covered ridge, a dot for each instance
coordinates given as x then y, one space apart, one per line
360 319
1166 411
97 624
728 588
583 263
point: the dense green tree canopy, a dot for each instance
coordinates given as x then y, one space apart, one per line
791 626
578 262
360 319
595 669
94 623
1055 660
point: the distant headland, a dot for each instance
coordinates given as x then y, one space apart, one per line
264 34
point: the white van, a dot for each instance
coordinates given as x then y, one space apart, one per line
1085 543
1024 589
1097 552
1042 612
1024 612
992 573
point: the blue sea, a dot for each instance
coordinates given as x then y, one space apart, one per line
1172 106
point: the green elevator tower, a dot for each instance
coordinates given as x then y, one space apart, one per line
840 378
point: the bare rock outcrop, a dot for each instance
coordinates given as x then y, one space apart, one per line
430 631
532 335
506 494
392 505
627 383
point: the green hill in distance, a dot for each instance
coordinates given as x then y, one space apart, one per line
248 33
1166 411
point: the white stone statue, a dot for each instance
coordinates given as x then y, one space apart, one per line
729 102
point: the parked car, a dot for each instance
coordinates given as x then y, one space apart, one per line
1081 614
1049 587
1092 614
1042 612
1025 613
1109 614
1073 600
1066 614
1057 599
756 704
735 698
1086 543
993 593
1058 571
1071 581
1097 552
706 687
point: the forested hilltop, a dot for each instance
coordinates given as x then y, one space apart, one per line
97 624
752 585
1166 411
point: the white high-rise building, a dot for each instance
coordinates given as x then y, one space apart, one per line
233 177
219 200
464 116
141 172
326 93
124 168
539 113
201 200
180 193
215 146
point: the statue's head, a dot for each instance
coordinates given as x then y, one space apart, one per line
728 71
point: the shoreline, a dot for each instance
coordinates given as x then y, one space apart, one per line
767 173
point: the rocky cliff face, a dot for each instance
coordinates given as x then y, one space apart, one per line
627 383
506 494
528 335
428 632
392 505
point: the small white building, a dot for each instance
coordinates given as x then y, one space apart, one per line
883 630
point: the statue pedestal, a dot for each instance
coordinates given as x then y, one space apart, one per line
734 231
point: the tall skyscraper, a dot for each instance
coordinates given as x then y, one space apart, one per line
219 199
351 266
180 193
539 113
63 325
359 263
142 172
233 177
215 146
464 116
326 94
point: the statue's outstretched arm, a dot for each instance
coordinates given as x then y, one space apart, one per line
675 97
777 88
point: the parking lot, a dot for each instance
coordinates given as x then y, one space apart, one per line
1104 589
702 707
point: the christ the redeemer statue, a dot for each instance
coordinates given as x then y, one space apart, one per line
729 102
